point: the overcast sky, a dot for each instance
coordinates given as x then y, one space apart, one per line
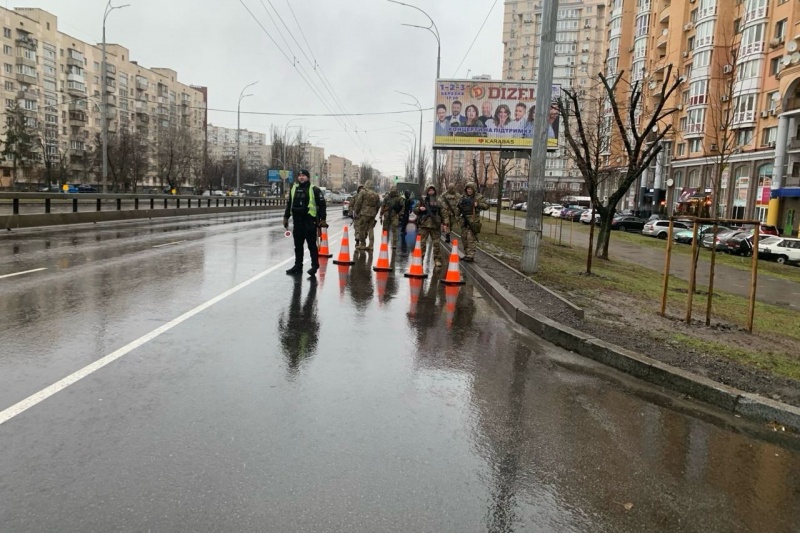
359 45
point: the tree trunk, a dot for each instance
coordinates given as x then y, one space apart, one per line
605 233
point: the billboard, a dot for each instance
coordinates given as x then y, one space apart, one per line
280 175
486 114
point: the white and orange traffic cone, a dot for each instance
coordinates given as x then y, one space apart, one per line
382 264
415 270
453 276
382 278
344 251
323 244
344 274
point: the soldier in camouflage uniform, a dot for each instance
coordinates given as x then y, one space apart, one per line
469 208
430 216
450 201
367 205
354 213
391 208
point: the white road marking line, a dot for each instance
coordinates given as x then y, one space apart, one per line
169 244
22 273
34 399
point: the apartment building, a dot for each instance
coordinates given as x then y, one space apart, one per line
313 158
580 52
339 172
255 154
735 144
56 79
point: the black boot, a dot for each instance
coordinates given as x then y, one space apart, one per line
447 238
295 270
313 270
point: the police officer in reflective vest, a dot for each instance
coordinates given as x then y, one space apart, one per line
306 205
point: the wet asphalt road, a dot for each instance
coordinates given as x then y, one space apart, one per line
347 404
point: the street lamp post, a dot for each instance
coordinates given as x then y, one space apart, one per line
242 96
104 95
435 32
419 161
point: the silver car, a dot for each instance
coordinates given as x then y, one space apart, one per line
660 228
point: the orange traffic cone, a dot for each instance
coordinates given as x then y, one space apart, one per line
383 258
344 251
453 276
416 290
382 278
323 244
450 295
415 270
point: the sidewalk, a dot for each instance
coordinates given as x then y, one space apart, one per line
770 290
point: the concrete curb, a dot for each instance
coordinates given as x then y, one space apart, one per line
638 365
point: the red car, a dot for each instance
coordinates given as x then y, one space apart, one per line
769 230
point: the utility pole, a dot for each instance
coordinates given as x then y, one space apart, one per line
544 92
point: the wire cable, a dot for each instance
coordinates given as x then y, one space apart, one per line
476 38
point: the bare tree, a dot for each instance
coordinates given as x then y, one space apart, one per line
20 143
174 155
638 133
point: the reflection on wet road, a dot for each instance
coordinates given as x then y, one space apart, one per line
356 402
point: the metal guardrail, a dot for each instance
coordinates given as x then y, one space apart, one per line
25 210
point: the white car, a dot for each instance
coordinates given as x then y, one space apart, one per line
781 249
587 216
552 209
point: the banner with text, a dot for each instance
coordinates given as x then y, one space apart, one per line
490 115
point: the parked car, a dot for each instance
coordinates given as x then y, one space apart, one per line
586 217
572 214
742 244
518 207
626 223
769 230
723 234
552 209
660 228
346 209
781 249
87 189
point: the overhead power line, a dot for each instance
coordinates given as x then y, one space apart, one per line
475 39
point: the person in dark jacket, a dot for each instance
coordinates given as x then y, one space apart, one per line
306 206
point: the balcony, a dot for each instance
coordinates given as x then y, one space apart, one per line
755 14
112 100
751 48
28 94
163 111
694 130
662 40
22 60
77 119
75 62
26 79
76 91
141 84
142 120
111 70
28 42
744 118
706 13
141 108
663 17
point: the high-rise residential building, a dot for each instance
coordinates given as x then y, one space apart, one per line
313 158
734 145
254 152
580 52
55 79
339 172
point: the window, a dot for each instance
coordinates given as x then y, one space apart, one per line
26 71
780 29
9 69
30 105
748 70
690 43
737 25
695 145
769 135
694 177
744 137
9 86
701 59
772 101
774 66
96 66
693 16
680 148
683 123
9 103
7 50
678 177
698 92
7 33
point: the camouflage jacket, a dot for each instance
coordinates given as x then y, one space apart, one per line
367 203
471 206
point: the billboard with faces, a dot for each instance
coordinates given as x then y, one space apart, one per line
490 115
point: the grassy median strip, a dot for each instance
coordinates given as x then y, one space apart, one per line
562 269
787 272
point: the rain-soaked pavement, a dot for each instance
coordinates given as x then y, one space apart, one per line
357 403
